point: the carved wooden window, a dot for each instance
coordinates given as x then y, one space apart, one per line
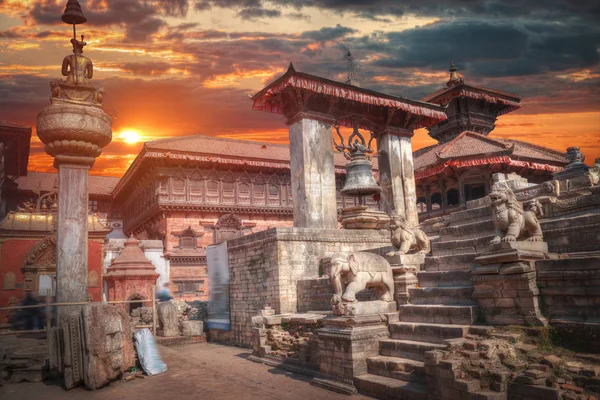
162 188
187 240
259 194
93 205
228 192
290 196
196 188
243 193
274 195
212 191
178 193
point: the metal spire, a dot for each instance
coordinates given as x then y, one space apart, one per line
351 78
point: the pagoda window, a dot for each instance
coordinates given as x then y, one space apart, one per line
259 193
243 193
162 188
212 191
290 196
196 189
474 191
228 192
436 201
93 205
187 240
452 197
178 193
274 195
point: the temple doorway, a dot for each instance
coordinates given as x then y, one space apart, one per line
137 304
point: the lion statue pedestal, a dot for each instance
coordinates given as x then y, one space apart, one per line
351 273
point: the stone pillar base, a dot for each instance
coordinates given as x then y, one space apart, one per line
405 268
344 345
505 283
361 217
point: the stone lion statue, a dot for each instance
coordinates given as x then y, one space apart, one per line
406 239
510 220
351 273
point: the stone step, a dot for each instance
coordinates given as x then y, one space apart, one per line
384 388
444 278
467 230
434 333
438 314
454 296
468 216
454 262
410 349
476 245
402 369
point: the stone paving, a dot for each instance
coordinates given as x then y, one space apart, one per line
205 371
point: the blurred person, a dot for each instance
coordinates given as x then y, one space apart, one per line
164 294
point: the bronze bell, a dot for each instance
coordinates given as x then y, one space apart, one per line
359 178
73 14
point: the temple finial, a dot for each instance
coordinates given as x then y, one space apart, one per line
351 78
291 67
455 78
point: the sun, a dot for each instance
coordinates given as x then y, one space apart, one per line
130 136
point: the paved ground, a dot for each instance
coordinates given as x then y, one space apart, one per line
198 371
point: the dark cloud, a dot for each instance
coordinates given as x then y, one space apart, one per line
327 33
257 13
141 18
151 68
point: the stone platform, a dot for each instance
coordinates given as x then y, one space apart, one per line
179 340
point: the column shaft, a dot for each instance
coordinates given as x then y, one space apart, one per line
312 174
397 176
72 237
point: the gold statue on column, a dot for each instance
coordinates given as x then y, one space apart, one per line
76 67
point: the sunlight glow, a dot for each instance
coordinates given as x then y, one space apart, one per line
130 136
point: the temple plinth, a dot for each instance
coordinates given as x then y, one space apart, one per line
312 105
74 129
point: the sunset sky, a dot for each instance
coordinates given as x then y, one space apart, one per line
180 67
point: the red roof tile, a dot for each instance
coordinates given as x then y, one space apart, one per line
474 145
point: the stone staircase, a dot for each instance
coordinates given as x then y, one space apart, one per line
441 308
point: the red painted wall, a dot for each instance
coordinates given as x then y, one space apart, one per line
13 254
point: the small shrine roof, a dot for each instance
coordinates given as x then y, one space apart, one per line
268 101
131 262
45 181
445 95
470 149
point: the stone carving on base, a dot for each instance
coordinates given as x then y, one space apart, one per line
406 239
510 220
169 322
351 273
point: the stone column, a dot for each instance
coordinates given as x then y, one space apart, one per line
312 171
397 175
71 236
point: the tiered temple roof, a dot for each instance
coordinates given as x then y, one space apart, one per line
471 149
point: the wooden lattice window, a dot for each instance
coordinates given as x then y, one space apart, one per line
212 191
259 193
228 192
196 189
274 195
243 193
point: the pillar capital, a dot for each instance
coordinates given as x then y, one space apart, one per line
316 116
392 130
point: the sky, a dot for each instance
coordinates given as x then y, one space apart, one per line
180 67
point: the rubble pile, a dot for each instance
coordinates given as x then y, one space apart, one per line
22 360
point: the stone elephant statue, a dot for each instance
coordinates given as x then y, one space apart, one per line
351 273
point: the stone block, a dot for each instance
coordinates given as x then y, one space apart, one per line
537 392
192 328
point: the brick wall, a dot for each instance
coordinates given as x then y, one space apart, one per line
265 268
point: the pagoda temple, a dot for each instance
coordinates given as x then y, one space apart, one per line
459 168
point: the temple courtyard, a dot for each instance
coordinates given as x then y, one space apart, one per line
207 370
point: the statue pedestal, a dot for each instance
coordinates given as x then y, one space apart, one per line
405 268
361 217
344 345
505 283
365 308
